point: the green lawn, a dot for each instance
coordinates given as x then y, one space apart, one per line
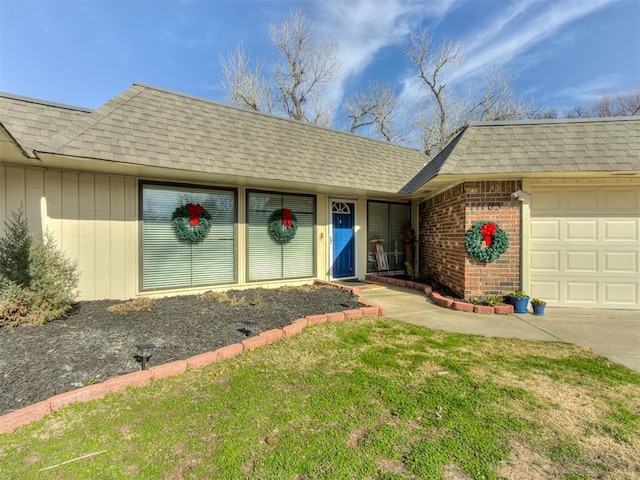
370 398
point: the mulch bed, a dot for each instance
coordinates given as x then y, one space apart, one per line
93 344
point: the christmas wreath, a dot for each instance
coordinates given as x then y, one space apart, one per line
283 225
191 222
495 240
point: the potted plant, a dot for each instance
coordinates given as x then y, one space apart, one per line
408 237
538 306
520 301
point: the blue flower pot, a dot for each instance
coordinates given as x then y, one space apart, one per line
520 305
538 309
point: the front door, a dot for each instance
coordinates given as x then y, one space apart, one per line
343 244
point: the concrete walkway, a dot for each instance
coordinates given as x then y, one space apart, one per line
614 334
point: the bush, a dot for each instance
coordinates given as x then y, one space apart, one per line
14 249
415 274
45 289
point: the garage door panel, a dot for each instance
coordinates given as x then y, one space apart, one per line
547 200
581 262
616 293
581 230
585 292
584 246
545 261
581 200
617 230
620 200
549 289
621 262
546 230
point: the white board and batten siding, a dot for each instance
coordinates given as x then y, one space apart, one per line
92 217
584 245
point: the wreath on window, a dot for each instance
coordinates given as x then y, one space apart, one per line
495 241
283 225
191 222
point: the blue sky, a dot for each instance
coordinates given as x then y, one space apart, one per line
563 52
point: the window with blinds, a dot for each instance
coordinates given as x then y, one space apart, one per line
268 259
169 262
385 220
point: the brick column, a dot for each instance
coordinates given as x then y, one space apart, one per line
444 220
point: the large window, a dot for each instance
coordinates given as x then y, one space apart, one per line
168 261
269 259
385 221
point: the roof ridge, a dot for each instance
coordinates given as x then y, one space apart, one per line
553 121
60 139
44 102
457 150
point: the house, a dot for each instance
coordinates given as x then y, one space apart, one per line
107 183
566 191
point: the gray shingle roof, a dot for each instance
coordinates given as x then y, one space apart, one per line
31 121
564 145
150 126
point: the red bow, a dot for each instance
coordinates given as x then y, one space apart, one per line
488 231
195 211
286 217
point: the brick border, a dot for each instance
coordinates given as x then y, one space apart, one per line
444 302
23 416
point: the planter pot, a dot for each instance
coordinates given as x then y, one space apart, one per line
520 305
538 309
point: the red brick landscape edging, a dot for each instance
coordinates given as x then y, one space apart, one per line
12 420
441 301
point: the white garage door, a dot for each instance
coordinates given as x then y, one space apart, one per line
584 248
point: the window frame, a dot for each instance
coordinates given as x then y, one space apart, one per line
369 232
314 253
141 185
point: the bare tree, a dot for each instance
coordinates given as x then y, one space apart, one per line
579 111
623 104
443 113
628 104
435 122
545 113
297 89
305 68
496 101
243 82
375 109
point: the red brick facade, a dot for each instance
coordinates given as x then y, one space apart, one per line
445 218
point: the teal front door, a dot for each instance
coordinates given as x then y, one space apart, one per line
343 245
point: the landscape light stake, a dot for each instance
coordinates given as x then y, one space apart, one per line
144 352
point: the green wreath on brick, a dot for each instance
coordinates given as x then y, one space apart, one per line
283 225
485 241
191 222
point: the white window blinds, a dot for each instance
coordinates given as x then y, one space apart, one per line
169 262
269 259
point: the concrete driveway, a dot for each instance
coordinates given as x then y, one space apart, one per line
614 334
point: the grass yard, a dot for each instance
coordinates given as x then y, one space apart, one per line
371 398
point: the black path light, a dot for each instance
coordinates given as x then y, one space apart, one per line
144 352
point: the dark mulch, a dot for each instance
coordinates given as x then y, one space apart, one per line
93 344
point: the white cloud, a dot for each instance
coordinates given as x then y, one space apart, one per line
512 34
509 37
363 28
591 90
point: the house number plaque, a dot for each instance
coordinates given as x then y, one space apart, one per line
486 206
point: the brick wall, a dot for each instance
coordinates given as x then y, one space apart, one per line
441 233
444 220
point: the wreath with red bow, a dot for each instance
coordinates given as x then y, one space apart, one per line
283 225
191 222
494 239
